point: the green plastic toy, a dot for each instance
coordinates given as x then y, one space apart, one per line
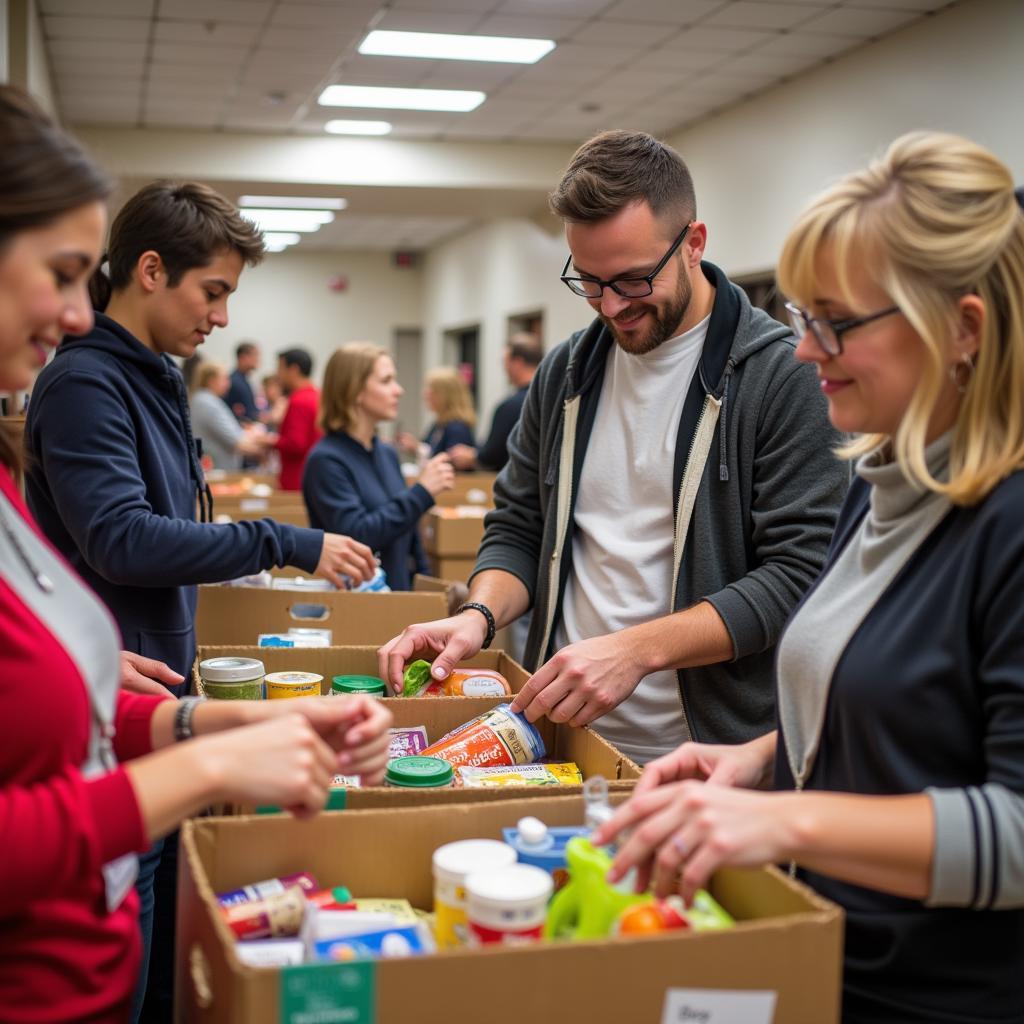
416 678
587 906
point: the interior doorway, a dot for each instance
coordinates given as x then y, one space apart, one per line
408 349
462 350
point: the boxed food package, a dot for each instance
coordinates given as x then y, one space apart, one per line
786 944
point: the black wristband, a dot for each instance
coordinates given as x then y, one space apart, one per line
486 613
183 718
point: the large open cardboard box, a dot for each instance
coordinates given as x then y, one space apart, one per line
237 615
439 715
789 940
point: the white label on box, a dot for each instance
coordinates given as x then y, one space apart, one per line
717 1006
253 505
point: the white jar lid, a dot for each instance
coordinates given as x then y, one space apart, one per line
519 886
231 670
532 831
453 861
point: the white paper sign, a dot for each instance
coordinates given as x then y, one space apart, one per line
717 1006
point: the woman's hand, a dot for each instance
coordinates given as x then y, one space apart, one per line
438 475
280 761
678 835
745 765
145 675
354 727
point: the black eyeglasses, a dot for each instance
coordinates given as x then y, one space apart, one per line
627 287
829 333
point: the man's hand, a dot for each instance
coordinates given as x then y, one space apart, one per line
144 675
343 556
446 642
582 682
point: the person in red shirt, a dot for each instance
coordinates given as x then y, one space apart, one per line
299 429
90 773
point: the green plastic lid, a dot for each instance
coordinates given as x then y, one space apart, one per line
418 772
371 685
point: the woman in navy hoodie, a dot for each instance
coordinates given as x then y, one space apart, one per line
114 475
901 675
352 481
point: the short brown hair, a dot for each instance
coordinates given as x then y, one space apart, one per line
526 347
617 168
346 375
187 223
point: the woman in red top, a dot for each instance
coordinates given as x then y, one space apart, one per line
89 774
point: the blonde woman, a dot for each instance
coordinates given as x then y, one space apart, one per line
449 400
352 477
901 675
225 440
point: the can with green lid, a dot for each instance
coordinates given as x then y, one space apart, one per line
416 772
372 686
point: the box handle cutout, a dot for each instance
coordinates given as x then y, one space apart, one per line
310 612
199 969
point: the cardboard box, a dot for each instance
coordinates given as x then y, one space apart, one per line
439 715
237 615
448 534
788 939
469 489
458 569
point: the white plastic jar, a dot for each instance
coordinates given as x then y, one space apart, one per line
507 906
451 864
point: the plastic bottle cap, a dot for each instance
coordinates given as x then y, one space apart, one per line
341 894
372 685
231 670
532 831
418 772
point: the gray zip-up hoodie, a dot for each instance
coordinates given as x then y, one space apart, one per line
758 490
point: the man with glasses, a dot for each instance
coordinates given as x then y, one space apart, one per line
671 489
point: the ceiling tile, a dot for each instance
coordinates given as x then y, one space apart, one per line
132 29
761 15
426 21
904 5
468 6
191 53
858 22
86 69
99 8
670 12
529 28
806 45
205 33
308 40
170 75
725 40
188 91
456 74
336 15
615 33
96 50
602 57
671 58
757 62
244 11
563 75
629 85
510 108
564 8
554 133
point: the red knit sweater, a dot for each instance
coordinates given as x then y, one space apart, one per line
62 956
297 435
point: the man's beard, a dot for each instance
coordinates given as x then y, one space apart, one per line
664 325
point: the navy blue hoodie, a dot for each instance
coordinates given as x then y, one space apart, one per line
113 479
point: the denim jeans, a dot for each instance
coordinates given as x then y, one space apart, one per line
148 863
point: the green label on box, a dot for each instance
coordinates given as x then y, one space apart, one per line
328 994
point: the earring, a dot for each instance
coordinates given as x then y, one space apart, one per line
966 364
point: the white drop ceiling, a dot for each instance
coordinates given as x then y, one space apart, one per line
259 65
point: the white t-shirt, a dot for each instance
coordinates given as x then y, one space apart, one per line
624 529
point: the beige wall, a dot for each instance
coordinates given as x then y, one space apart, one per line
286 302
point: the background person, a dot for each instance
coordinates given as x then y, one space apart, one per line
451 404
353 481
72 817
523 354
239 395
299 430
224 439
901 676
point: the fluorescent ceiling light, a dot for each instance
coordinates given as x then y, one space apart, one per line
385 97
342 127
441 46
293 202
287 220
281 238
276 247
